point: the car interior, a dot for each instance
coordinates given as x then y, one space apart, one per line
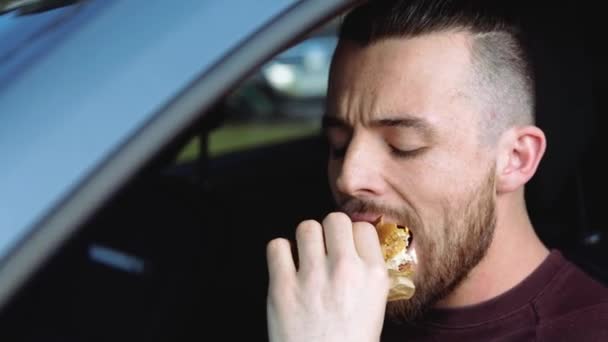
180 250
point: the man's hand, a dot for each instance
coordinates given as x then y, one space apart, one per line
338 292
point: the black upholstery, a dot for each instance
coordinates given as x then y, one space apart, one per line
562 197
159 221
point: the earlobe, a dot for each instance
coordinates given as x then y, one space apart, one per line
520 152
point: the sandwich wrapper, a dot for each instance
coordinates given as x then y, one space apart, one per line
402 286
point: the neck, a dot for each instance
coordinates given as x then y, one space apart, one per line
515 250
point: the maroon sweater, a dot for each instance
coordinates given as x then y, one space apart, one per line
557 302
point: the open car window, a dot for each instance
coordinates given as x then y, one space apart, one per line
280 101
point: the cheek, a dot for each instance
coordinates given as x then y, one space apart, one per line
448 175
423 182
433 185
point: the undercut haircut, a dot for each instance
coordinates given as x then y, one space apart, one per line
502 81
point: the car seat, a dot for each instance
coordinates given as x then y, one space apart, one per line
562 196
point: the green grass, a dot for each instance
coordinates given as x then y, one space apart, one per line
234 137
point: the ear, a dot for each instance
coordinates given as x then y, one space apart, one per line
520 150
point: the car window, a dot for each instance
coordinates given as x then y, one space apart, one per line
282 100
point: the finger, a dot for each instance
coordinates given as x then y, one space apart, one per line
367 243
338 230
281 267
311 248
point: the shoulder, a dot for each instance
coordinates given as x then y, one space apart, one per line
588 323
573 306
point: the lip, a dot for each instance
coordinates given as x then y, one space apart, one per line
372 218
364 217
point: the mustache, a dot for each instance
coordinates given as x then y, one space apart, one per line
405 215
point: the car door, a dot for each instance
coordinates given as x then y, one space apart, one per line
101 93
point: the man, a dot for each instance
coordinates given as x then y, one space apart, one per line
430 123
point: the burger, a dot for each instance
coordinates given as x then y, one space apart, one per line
400 262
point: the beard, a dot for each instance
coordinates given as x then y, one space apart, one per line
448 249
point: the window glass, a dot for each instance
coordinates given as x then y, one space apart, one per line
284 99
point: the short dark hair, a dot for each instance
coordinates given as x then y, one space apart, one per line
503 73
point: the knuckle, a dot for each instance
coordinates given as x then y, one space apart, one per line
274 246
337 218
309 263
308 228
346 269
364 229
363 226
311 279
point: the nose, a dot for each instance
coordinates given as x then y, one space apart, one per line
361 171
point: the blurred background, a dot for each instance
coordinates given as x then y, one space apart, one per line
282 100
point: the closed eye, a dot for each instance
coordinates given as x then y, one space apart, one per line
406 153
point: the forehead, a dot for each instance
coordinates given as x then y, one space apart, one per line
425 75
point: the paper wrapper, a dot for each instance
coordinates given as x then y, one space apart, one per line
402 286
394 240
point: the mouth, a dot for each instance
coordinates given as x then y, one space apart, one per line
410 241
365 217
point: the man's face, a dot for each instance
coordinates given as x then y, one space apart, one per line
403 132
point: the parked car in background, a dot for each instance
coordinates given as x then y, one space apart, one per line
302 71
293 83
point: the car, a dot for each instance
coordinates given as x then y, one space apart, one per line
292 84
106 234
